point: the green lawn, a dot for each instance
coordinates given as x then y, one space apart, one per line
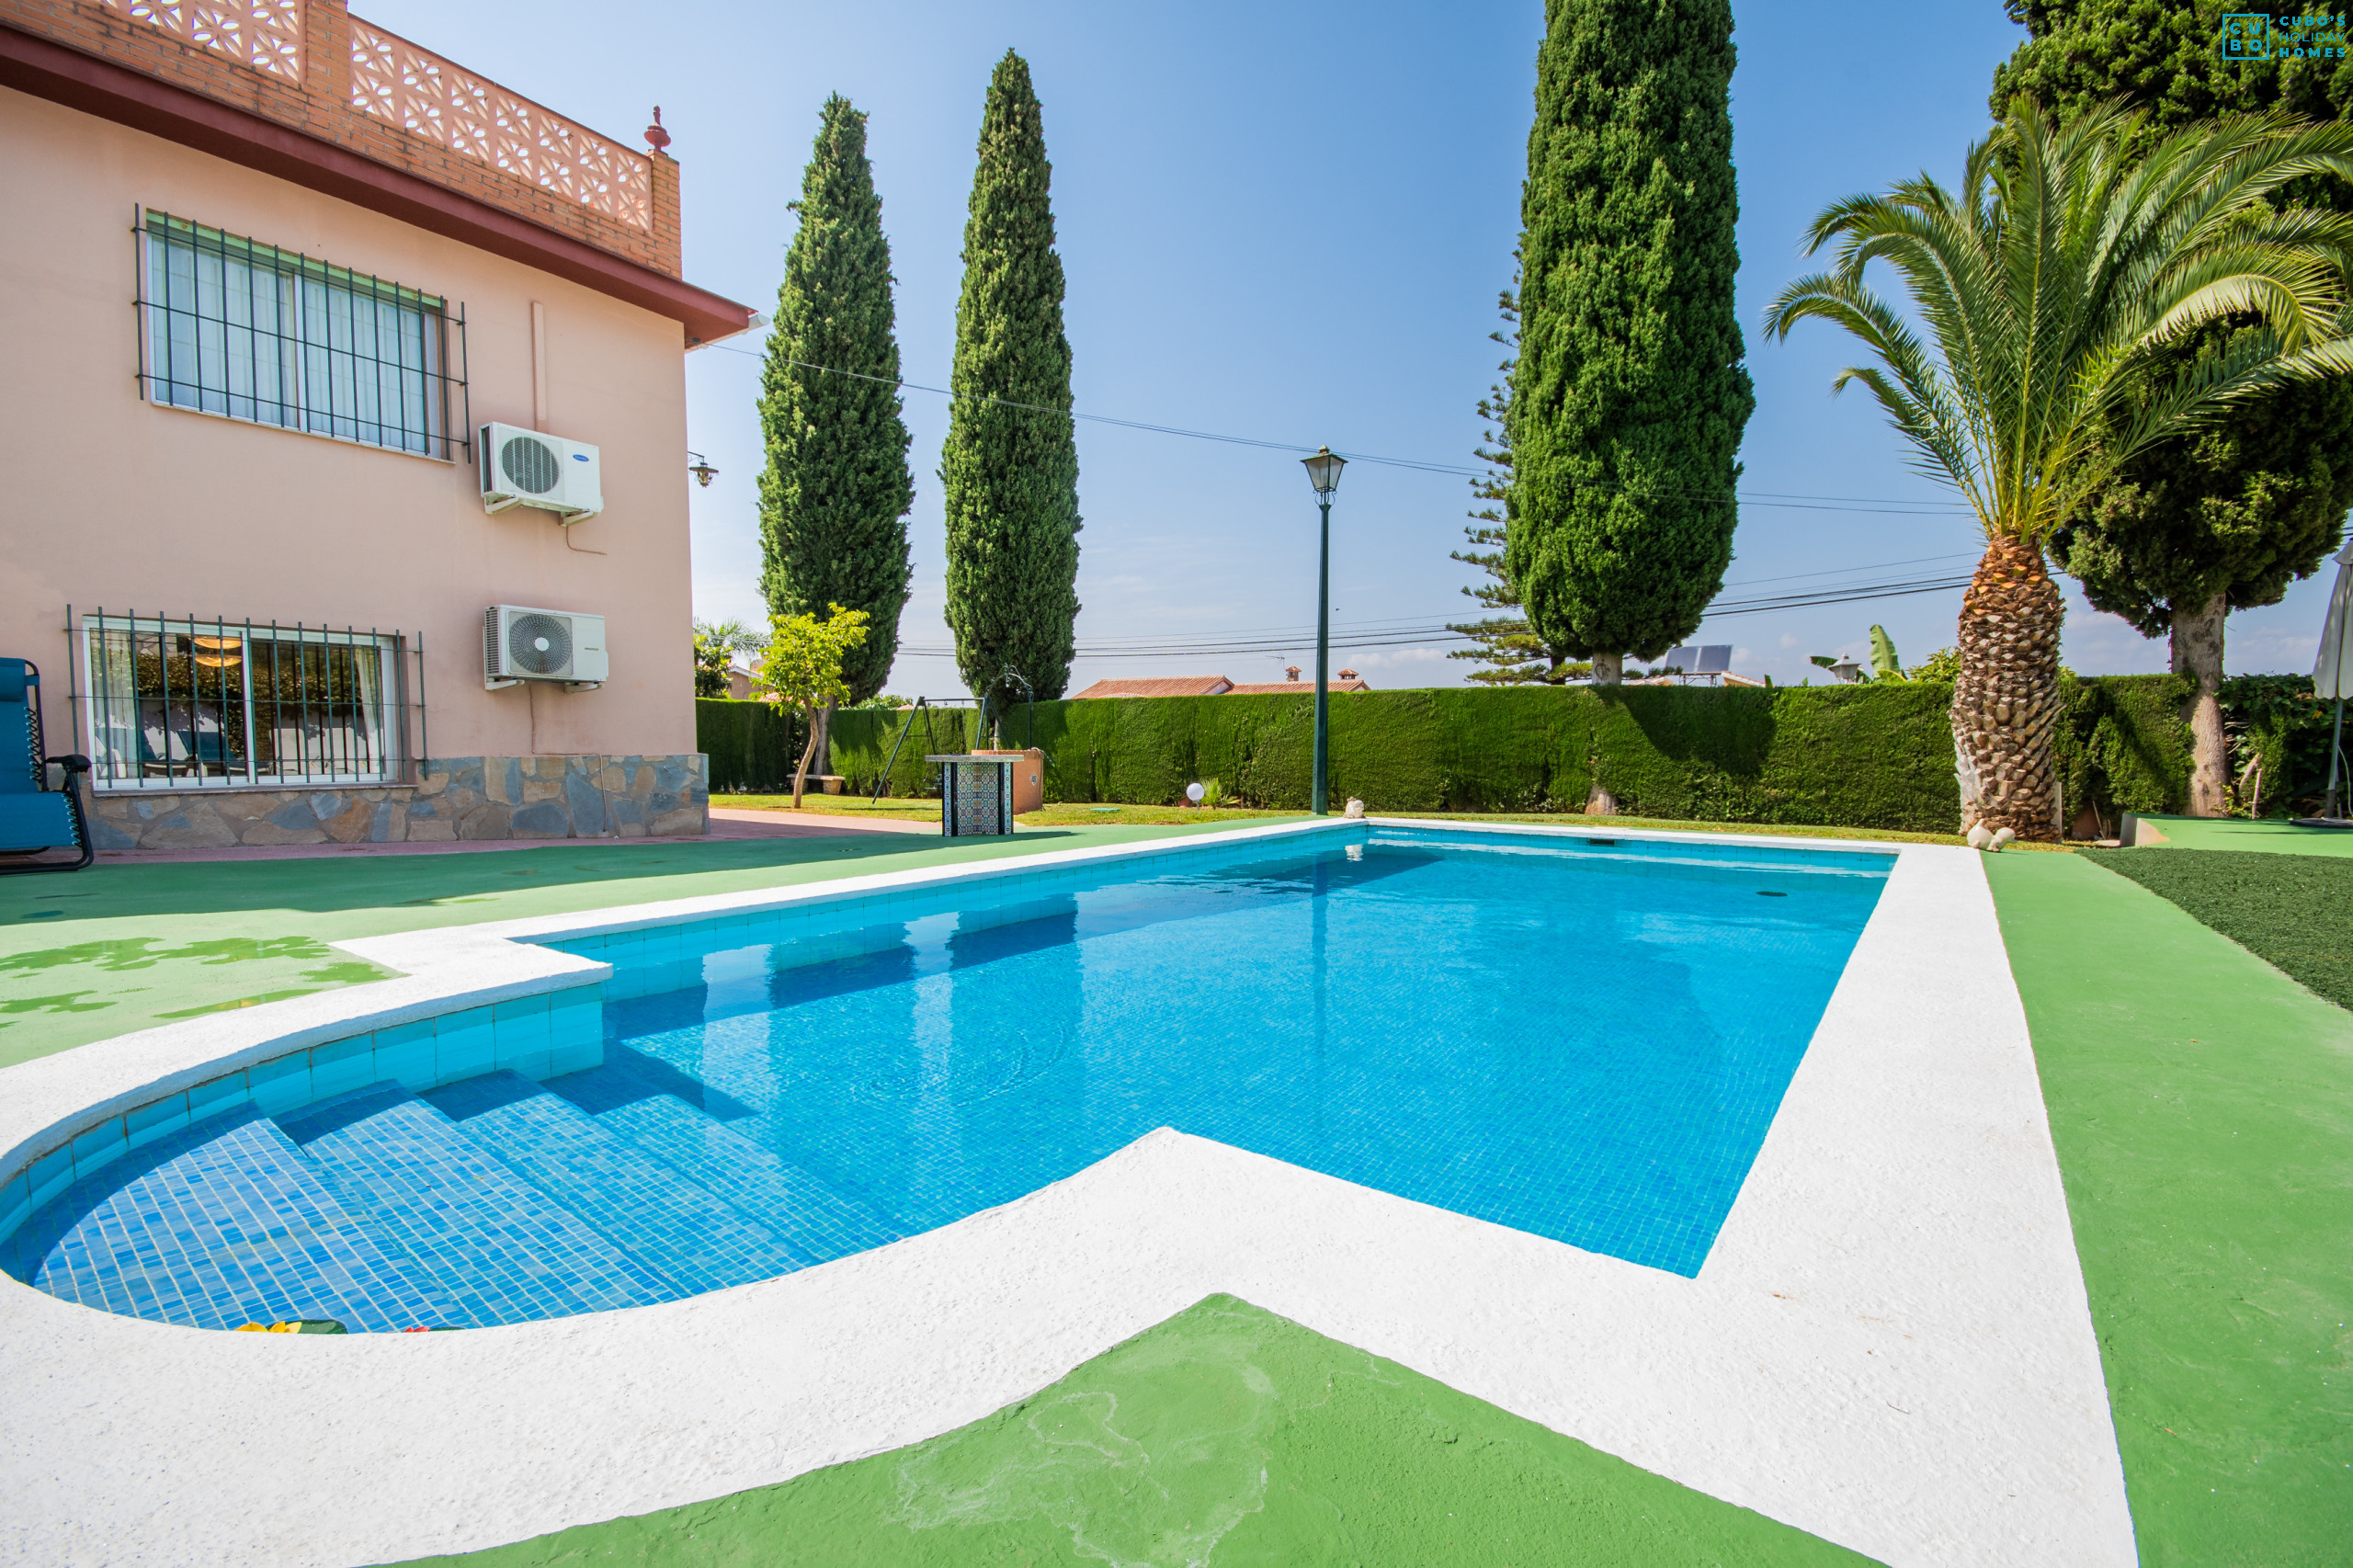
2203 1109
1225 1434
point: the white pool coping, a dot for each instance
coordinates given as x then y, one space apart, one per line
1889 1346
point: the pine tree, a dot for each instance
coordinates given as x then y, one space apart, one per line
2226 517
1010 467
1629 394
834 498
1504 642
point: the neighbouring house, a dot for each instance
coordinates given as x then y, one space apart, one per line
275 274
1213 686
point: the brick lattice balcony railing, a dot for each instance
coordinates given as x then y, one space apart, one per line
420 92
311 66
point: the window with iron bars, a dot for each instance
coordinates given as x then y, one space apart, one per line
179 703
236 327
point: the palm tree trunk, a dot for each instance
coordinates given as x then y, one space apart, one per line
2198 654
2006 702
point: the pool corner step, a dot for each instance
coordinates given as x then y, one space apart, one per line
815 1220
226 1224
501 1247
637 1200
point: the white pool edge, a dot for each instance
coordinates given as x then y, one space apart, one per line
1889 1346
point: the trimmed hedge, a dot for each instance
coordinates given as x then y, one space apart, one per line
1860 756
752 745
1875 755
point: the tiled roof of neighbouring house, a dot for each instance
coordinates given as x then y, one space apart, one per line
1159 685
1210 686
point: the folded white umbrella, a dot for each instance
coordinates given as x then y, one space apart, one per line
2332 676
2333 672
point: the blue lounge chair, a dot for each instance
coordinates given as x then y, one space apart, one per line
35 818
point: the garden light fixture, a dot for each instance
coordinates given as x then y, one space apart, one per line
1324 472
702 471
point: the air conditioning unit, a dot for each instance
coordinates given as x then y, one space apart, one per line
519 643
523 468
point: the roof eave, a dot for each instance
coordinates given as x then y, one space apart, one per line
46 69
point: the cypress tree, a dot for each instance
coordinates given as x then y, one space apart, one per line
1011 472
834 498
1629 394
2225 518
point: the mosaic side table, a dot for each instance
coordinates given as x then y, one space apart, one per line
975 795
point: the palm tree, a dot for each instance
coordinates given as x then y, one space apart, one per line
2062 287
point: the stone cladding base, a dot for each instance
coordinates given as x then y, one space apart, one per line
459 797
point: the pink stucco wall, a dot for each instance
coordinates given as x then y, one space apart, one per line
105 499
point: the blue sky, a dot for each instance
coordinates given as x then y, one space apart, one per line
1287 222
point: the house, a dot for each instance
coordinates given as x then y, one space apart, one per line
1213 685
256 540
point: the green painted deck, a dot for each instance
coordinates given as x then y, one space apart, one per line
2266 835
125 947
1225 1435
2202 1108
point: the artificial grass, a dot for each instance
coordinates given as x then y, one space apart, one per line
2294 911
2201 1106
123 947
1224 1435
2270 835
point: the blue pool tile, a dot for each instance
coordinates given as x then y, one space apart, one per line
500 1249
99 1146
464 1045
51 1173
150 1122
639 1203
407 1054
217 1096
281 1084
216 1225
15 1202
342 1065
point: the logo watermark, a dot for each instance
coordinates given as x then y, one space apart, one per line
2263 35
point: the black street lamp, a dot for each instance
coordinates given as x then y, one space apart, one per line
1324 472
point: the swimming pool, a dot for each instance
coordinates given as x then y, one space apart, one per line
1581 1038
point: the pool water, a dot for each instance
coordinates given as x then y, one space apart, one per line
1585 1043
1579 1037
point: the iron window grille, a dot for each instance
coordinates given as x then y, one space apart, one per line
179 703
234 327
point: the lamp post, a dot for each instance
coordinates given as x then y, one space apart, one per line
1324 472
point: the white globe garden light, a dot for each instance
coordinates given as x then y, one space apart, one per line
1194 792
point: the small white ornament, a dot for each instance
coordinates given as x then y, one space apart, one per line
1355 809
1980 837
2002 838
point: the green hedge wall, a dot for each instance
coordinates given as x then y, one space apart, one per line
1860 756
752 745
1876 756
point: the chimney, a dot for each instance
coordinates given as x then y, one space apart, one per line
1348 674
1290 672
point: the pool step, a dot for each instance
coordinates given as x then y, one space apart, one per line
502 1249
220 1224
814 1220
640 1202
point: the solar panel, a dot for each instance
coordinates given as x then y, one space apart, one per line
1682 658
1714 658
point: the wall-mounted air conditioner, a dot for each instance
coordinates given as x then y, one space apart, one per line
519 643
523 468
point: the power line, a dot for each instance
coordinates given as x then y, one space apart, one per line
1413 636
1772 499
